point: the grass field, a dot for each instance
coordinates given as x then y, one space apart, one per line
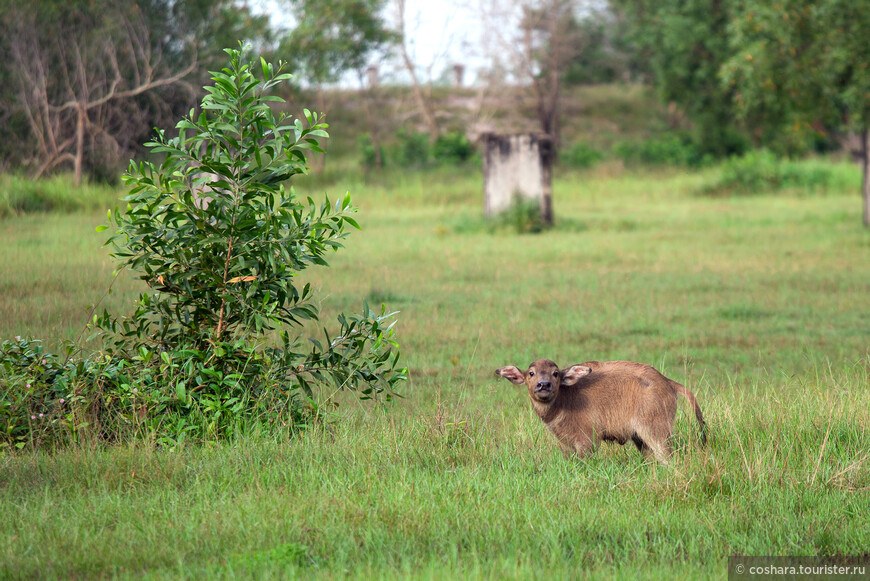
757 303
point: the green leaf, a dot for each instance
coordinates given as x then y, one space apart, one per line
181 392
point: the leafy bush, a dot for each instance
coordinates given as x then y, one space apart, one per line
761 171
368 152
452 148
31 404
45 402
413 149
220 240
667 150
581 156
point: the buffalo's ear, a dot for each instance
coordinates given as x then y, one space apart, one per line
573 374
512 374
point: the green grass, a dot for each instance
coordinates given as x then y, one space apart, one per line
20 196
757 304
54 268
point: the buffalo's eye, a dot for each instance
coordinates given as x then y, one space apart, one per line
531 373
555 374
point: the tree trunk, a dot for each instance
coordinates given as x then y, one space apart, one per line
423 103
547 148
865 184
80 143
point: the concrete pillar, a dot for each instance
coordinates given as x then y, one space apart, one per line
517 166
372 76
458 74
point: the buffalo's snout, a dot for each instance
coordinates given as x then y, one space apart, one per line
544 386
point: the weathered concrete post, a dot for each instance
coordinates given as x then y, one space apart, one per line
518 165
458 74
372 76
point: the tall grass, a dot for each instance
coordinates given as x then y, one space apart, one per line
19 195
760 172
757 304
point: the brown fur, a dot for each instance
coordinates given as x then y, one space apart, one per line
619 401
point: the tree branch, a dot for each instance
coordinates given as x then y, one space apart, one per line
424 104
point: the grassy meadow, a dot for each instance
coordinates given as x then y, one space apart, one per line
756 303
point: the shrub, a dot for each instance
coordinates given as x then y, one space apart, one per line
413 149
220 240
762 171
452 148
369 153
31 403
666 150
580 156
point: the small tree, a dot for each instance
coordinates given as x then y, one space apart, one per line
220 240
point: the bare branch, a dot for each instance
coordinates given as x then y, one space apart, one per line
545 44
423 103
68 85
52 162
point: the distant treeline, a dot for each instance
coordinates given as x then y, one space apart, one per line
83 83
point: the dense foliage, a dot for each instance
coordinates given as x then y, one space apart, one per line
331 37
801 63
685 44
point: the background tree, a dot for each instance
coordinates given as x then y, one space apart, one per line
334 38
607 56
538 41
684 43
543 39
86 81
803 66
551 40
205 27
422 97
69 82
